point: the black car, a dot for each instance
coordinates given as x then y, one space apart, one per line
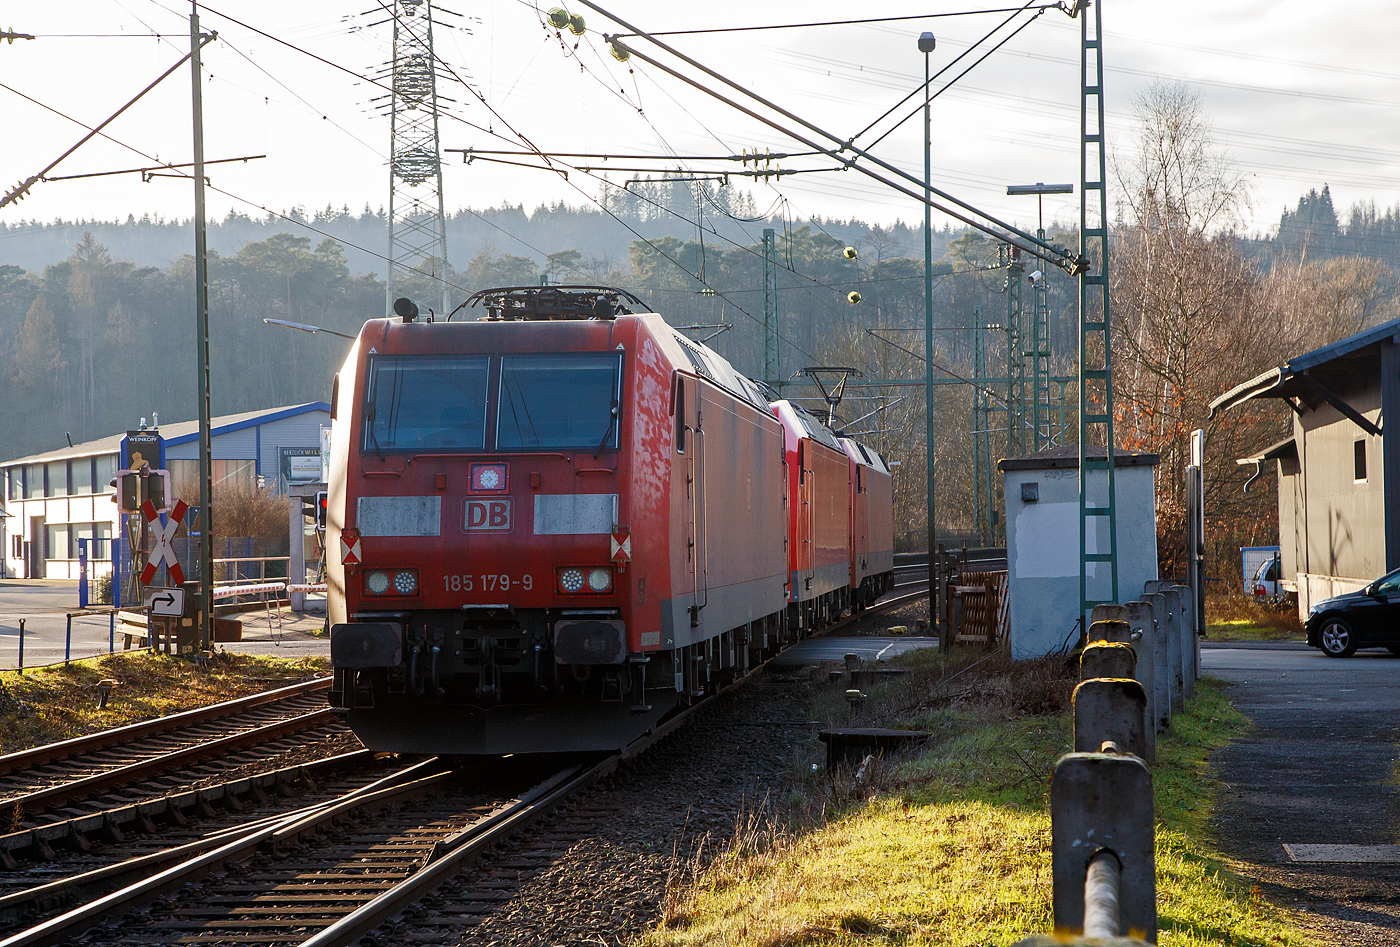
1366 618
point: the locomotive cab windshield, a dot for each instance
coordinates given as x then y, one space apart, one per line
427 403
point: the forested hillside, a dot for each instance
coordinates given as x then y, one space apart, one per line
96 326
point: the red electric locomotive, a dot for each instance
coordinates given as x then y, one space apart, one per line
819 587
551 526
872 524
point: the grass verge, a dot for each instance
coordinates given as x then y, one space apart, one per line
951 846
60 702
1233 616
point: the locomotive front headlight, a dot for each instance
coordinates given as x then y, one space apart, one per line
377 583
406 581
571 580
600 580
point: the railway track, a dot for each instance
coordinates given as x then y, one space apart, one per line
33 783
334 872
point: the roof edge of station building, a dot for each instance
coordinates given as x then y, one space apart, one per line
1068 457
179 432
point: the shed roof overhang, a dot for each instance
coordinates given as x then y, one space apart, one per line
1315 378
1287 447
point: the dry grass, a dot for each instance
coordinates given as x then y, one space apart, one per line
60 702
1234 616
949 845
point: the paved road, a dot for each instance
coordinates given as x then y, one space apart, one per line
44 604
1318 769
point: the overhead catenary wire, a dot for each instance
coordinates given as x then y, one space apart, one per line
1032 245
873 19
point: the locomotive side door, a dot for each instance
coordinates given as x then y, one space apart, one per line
699 521
807 555
689 440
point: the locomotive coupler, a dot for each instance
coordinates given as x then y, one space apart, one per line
488 683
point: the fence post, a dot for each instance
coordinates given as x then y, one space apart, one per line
1109 709
1161 658
1189 639
21 646
68 638
112 632
1144 671
1102 802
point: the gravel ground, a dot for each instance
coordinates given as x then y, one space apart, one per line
617 848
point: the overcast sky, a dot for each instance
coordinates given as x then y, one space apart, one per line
1299 94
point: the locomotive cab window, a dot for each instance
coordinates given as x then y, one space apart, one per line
559 401
680 415
425 403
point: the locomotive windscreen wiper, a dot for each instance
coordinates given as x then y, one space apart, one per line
612 419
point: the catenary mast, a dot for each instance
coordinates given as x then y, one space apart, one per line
417 222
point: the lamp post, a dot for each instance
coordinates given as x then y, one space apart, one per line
926 45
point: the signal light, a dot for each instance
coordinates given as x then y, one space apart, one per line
321 509
131 492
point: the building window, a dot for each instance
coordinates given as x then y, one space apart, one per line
80 476
57 474
33 481
63 540
99 536
58 537
16 483
106 467
1358 459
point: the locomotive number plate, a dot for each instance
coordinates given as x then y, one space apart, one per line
486 583
487 514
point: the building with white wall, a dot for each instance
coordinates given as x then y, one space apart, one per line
1042 541
53 499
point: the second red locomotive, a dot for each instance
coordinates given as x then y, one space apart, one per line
560 522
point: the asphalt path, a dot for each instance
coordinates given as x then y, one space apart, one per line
45 605
1317 769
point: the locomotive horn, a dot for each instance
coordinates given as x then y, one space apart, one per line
407 308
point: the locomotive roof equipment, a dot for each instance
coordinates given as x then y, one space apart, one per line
555 302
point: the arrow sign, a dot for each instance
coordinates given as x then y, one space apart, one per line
169 603
164 552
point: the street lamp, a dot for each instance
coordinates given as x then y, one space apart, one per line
926 45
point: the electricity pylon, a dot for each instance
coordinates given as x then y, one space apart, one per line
417 222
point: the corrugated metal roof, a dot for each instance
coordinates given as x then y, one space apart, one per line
177 433
1352 343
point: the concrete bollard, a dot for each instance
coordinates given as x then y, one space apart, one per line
1144 631
1102 802
1191 638
1110 710
1183 631
1107 659
852 662
1176 663
1111 630
1107 612
1161 660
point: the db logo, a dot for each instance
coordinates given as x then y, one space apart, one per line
493 514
